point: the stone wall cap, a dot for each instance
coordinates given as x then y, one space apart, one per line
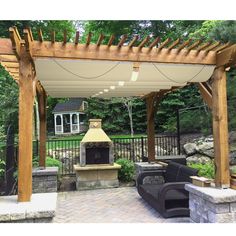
147 165
212 194
45 171
42 205
97 167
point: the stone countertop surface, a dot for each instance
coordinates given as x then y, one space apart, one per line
45 171
213 194
147 165
97 167
42 205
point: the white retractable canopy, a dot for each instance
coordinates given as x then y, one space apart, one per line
85 78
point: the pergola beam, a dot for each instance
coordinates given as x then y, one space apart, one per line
142 44
40 35
64 37
53 36
122 41
220 128
77 37
26 101
226 57
118 53
42 100
206 94
100 39
111 39
194 45
88 40
162 45
154 43
133 41
15 40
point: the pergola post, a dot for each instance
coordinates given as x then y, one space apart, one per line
26 102
220 128
42 100
151 127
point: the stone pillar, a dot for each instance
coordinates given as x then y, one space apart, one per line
211 205
45 180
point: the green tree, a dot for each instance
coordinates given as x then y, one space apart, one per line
9 88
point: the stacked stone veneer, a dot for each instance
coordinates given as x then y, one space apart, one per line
45 180
211 205
144 167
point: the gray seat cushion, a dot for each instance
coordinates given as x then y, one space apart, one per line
171 195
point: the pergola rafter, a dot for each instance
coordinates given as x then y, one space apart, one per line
18 56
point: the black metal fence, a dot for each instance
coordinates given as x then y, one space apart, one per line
67 151
134 149
8 162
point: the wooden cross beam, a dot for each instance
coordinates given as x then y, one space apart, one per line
226 57
112 38
77 38
206 92
154 43
122 41
133 41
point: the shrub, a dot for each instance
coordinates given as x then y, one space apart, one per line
233 170
2 168
205 170
126 172
50 162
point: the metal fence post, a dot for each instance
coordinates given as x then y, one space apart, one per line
178 131
142 147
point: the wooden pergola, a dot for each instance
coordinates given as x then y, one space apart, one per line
20 57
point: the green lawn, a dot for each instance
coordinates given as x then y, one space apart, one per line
66 142
79 137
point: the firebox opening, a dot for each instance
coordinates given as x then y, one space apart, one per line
97 155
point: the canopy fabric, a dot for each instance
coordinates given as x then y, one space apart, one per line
86 78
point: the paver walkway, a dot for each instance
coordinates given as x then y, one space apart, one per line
116 205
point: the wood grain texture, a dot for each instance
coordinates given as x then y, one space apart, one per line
26 102
114 53
206 94
42 100
220 128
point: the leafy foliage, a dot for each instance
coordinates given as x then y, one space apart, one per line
9 100
9 95
126 172
233 170
2 168
50 162
113 112
205 170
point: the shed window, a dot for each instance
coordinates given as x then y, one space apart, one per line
74 119
58 120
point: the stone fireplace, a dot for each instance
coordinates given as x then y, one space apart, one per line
96 168
96 147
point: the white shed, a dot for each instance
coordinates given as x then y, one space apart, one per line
69 116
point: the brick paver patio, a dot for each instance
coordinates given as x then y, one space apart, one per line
116 205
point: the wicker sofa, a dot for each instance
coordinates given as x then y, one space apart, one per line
170 199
